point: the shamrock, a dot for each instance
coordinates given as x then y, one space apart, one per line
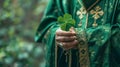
66 22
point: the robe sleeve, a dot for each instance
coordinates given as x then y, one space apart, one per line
115 39
46 31
48 24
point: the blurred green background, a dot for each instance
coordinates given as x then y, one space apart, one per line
19 20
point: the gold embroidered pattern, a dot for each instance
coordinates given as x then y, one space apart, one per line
83 48
80 13
97 13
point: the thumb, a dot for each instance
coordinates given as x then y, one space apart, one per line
72 29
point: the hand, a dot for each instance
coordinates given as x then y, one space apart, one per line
66 38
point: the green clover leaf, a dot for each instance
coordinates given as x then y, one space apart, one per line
66 22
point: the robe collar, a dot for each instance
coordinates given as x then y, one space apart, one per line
89 4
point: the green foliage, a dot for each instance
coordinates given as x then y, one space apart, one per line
19 20
66 22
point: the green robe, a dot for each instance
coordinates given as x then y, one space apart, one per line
100 20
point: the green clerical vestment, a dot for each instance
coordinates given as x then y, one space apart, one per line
98 31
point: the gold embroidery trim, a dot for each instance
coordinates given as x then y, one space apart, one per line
90 6
81 4
56 52
83 48
68 53
70 58
93 5
86 21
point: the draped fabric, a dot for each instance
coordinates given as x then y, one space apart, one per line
99 19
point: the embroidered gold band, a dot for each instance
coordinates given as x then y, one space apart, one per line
83 48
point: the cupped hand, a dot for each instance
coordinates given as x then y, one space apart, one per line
66 39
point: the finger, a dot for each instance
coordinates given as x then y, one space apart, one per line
64 33
75 44
65 38
69 45
72 29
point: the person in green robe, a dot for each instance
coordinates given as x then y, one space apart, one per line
94 41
